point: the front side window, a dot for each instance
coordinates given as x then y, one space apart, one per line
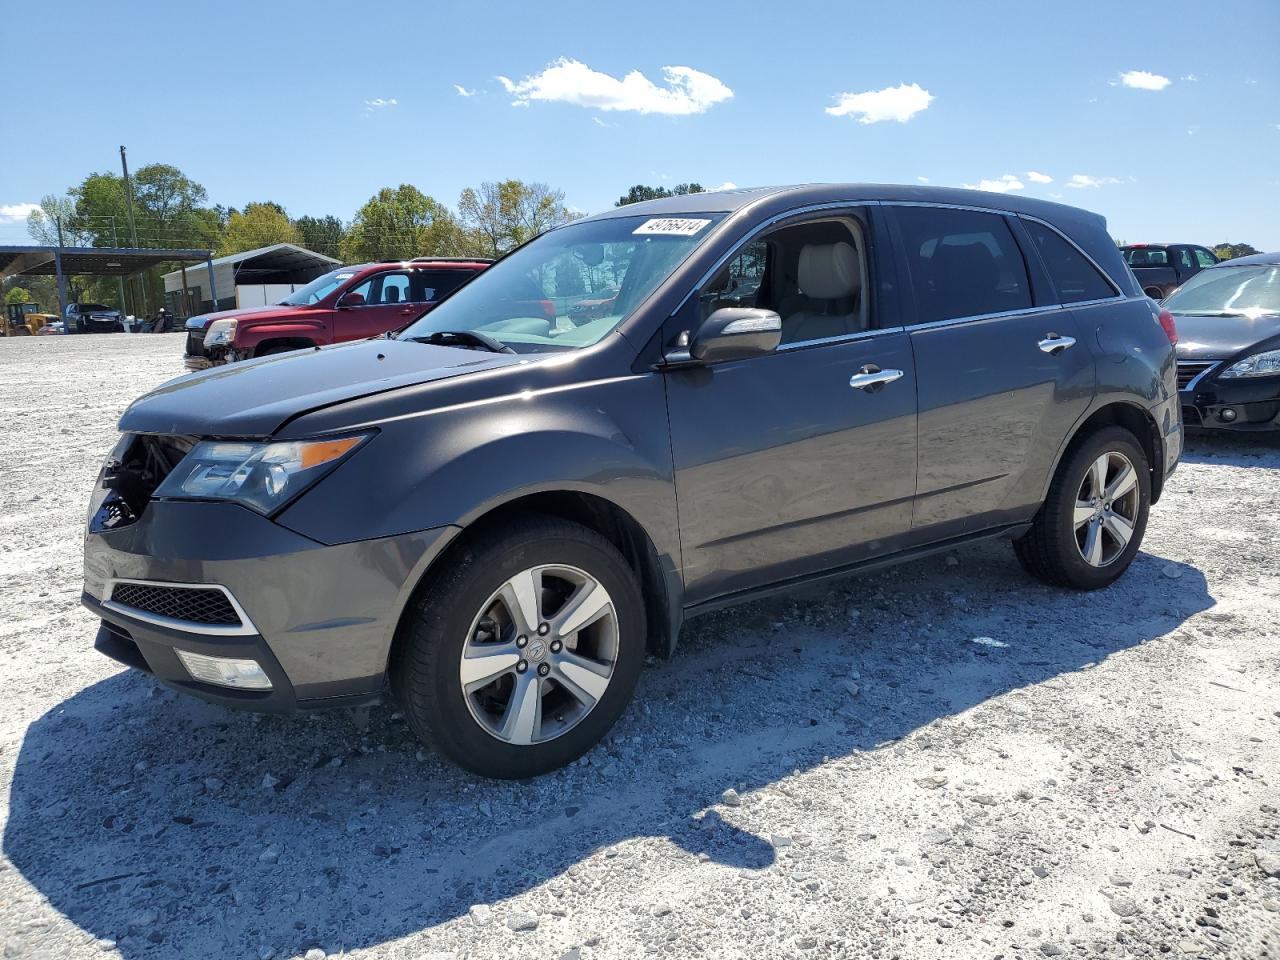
1074 277
1204 257
1229 291
812 274
391 288
572 286
963 263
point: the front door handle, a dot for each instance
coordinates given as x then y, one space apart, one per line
871 378
1053 344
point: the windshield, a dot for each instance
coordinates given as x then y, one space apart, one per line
319 288
570 287
1251 291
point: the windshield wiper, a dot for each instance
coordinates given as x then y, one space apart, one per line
1214 313
464 338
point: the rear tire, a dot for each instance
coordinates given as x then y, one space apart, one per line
1091 524
523 650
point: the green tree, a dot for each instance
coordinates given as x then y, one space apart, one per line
261 225
402 223
322 234
1229 251
640 193
17 295
502 215
57 224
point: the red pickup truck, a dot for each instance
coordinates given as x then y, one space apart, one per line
349 303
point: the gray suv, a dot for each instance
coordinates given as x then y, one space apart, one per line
495 513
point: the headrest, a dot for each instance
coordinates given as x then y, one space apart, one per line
828 271
391 295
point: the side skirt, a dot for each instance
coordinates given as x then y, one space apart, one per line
1010 531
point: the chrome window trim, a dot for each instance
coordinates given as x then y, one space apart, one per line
981 317
244 629
841 338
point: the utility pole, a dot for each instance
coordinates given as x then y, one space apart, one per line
133 230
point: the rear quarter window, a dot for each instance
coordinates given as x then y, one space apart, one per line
1074 277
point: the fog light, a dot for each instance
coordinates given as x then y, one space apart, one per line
225 671
1226 415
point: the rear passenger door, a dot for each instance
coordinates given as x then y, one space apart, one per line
1002 376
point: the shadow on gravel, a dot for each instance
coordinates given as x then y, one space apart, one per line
176 828
1232 449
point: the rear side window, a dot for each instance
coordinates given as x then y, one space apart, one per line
436 284
1074 277
963 263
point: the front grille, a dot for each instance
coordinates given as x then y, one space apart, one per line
1188 370
202 605
195 343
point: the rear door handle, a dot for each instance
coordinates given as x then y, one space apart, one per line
871 378
1054 344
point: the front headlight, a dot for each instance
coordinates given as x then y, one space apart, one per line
262 476
1265 364
220 333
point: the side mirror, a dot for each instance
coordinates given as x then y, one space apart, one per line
735 333
352 300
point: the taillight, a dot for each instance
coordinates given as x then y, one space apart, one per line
1168 326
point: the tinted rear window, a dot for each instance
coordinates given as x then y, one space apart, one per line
1075 278
1146 257
963 263
440 283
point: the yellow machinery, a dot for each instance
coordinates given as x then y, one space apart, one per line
24 320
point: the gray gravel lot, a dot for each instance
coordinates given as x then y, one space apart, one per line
1102 778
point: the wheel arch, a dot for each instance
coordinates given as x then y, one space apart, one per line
1132 417
660 583
274 344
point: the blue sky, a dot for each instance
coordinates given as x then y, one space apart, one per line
292 102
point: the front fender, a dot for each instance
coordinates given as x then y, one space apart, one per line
452 465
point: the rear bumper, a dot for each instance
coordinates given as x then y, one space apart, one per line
320 618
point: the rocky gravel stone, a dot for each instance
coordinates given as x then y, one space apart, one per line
1125 741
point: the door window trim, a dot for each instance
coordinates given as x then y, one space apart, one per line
802 215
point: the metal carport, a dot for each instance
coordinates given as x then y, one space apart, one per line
32 261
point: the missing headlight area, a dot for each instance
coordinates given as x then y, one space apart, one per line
137 467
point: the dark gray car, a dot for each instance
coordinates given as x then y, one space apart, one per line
1228 319
495 515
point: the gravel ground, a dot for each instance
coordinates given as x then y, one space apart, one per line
844 772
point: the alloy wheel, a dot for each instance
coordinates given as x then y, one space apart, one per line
540 654
1106 509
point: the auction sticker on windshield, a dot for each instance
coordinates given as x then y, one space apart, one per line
671 226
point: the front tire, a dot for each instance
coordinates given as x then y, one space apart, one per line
1091 524
523 650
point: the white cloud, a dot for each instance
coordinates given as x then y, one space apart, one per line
1035 177
1143 80
923 179
1081 180
727 185
687 91
17 212
378 103
1003 185
463 91
899 103
1191 78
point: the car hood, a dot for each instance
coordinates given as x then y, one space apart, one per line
254 398
1217 338
262 313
